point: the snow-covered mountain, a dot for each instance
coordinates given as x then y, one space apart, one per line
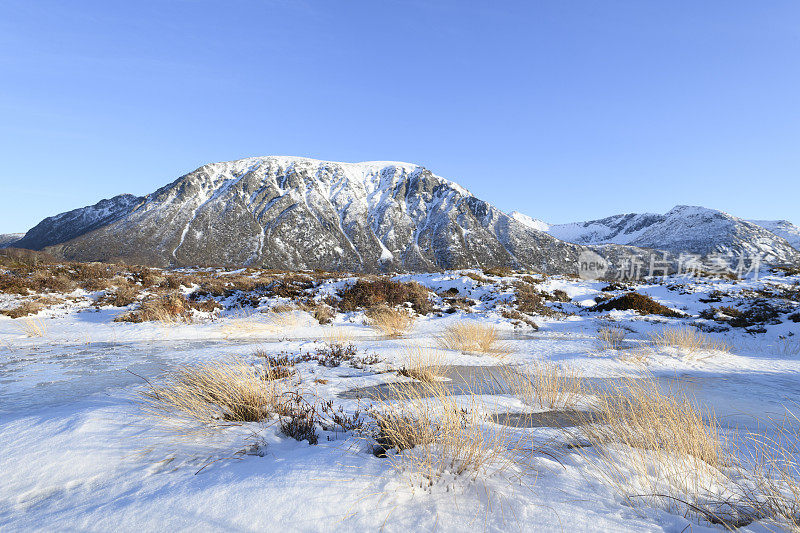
782 228
8 239
684 229
293 213
61 228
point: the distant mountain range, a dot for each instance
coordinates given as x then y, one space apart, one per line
683 229
299 213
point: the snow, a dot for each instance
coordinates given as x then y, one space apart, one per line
78 455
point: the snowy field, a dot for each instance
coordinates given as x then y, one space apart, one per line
80 451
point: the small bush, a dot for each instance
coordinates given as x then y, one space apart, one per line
531 301
640 303
365 294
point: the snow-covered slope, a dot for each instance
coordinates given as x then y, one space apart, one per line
534 223
782 228
72 224
293 213
8 239
684 229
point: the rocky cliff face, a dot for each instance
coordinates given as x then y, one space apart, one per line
297 213
684 229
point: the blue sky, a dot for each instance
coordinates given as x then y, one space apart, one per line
562 110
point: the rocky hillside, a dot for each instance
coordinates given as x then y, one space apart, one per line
293 213
684 229
782 228
8 239
72 224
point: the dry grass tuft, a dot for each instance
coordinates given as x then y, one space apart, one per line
389 321
611 338
688 339
209 396
337 337
423 364
547 385
32 326
473 337
426 432
773 473
659 448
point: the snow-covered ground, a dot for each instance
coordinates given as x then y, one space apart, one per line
78 453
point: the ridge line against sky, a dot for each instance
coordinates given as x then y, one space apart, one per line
562 112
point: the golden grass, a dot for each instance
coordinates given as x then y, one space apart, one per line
547 385
422 364
657 447
209 396
611 338
773 473
389 321
473 337
427 432
688 339
337 336
283 320
32 326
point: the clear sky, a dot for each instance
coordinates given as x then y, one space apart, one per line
562 110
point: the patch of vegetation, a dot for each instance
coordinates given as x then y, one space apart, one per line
23 309
365 294
169 308
518 319
638 302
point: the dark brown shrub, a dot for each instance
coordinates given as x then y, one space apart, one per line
640 303
12 283
560 296
530 300
365 294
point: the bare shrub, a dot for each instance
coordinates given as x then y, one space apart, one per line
473 337
389 321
